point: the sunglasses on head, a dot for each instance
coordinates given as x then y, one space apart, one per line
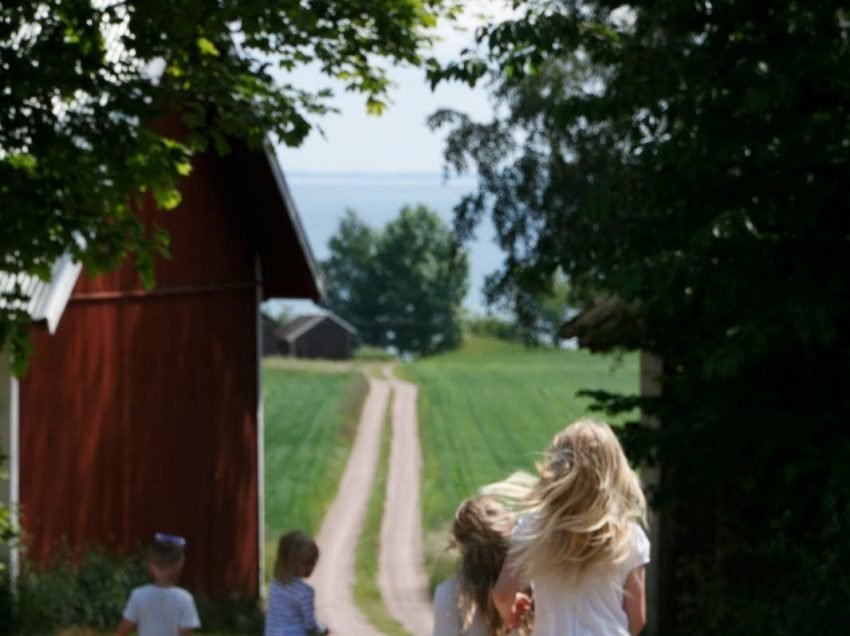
170 539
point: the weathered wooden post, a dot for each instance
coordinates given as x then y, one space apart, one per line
9 453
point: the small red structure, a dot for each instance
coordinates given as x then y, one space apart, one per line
143 411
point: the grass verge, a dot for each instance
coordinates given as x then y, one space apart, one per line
310 422
366 591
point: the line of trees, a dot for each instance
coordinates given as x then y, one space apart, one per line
401 286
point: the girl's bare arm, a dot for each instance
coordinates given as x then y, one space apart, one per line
634 600
505 591
125 628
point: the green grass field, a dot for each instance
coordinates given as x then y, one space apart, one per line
310 420
490 409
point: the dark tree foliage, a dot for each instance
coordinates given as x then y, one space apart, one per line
692 160
350 276
402 286
493 327
83 83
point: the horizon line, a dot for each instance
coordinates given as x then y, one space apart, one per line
379 173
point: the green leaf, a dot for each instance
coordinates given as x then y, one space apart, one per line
23 161
206 47
184 168
167 198
375 106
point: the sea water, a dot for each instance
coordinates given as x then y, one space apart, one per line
323 198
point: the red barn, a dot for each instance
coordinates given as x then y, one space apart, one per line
143 411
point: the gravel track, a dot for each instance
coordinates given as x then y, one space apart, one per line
401 565
333 578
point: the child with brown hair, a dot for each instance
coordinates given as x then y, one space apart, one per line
161 608
462 604
291 604
581 544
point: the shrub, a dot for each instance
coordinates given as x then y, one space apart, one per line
368 353
493 327
232 616
92 593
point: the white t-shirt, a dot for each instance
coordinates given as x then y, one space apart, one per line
161 611
447 618
596 608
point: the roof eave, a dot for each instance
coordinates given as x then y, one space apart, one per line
44 300
64 279
295 219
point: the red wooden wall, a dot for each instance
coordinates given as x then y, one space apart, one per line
139 413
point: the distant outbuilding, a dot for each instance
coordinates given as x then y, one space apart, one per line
317 336
269 337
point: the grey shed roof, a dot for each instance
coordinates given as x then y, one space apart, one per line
297 327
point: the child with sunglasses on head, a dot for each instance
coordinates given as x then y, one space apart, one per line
581 543
291 604
161 608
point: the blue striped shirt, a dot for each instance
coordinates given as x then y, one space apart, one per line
291 610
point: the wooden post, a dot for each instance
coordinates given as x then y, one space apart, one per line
261 428
651 370
9 495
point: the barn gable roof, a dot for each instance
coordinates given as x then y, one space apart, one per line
257 187
297 327
316 288
44 301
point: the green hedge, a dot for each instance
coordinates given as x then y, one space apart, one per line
92 594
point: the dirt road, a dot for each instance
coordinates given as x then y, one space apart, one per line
401 569
401 565
337 539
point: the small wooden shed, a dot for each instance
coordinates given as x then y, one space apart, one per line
269 336
142 412
317 336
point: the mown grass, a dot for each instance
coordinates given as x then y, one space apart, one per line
367 594
490 409
311 415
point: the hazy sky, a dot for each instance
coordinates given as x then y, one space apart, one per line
399 143
398 140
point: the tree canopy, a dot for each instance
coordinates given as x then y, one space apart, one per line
690 161
82 85
401 286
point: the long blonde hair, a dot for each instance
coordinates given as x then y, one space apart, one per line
481 533
581 507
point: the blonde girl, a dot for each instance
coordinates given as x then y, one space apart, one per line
463 604
580 543
291 604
